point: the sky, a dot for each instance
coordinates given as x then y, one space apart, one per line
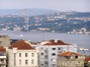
61 5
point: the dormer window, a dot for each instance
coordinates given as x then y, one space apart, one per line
53 48
76 57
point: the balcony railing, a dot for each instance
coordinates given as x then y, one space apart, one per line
2 57
2 63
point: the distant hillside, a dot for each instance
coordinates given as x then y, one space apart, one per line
44 20
31 12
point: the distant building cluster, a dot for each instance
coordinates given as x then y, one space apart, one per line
80 31
47 53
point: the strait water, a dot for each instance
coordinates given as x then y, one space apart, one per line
80 39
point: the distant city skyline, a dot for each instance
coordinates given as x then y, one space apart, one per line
60 5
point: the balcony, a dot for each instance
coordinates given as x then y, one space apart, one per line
46 51
46 62
2 61
2 57
46 56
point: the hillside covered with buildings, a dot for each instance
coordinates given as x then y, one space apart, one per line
55 21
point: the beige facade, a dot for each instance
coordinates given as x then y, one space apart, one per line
70 61
4 40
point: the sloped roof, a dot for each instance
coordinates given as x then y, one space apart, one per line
21 45
55 42
68 54
87 59
2 49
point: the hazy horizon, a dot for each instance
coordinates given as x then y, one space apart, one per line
42 9
59 5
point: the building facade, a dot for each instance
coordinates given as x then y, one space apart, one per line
4 40
87 62
3 57
22 54
48 51
70 59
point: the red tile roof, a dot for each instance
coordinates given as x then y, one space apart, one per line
21 45
68 54
87 59
55 42
2 49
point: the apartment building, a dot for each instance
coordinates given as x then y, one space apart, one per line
48 51
3 57
70 59
22 54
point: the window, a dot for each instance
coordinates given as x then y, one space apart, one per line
53 54
59 48
32 54
42 48
26 54
26 61
78 63
19 62
32 62
2 54
42 64
46 62
53 60
53 65
2 60
46 51
53 48
19 54
42 54
70 63
46 56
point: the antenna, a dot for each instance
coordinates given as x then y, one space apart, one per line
26 18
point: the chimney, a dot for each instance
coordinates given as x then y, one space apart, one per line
56 40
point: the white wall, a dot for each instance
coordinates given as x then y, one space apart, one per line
11 58
72 48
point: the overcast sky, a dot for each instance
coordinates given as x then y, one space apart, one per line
61 5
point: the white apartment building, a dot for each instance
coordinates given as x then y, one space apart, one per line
3 57
22 54
48 51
